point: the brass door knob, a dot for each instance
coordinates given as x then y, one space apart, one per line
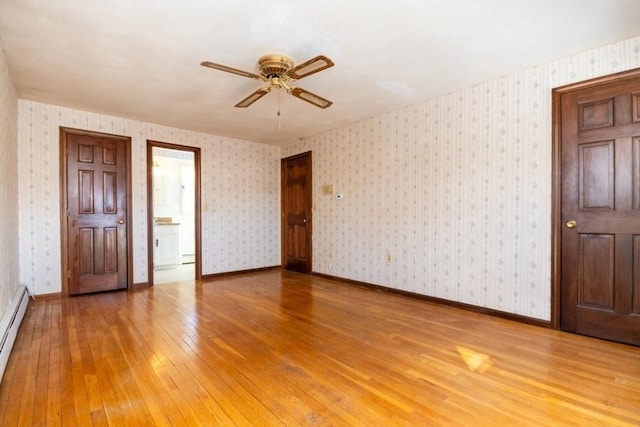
572 224
121 221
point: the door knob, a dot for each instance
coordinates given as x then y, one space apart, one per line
572 224
304 221
121 221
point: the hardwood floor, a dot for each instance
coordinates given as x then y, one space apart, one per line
282 348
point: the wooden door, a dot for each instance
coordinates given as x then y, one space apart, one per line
600 209
96 178
296 213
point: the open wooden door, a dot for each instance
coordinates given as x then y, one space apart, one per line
296 213
598 127
95 195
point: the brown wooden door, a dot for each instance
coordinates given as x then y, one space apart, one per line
296 213
96 213
600 193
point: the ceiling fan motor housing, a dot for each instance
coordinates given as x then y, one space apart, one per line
274 65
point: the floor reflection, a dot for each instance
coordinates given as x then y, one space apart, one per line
476 362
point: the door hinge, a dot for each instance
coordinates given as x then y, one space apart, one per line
68 274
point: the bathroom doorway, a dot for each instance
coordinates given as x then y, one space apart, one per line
173 184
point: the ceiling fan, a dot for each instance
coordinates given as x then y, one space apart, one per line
278 71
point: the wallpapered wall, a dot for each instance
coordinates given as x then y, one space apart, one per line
9 258
240 194
456 190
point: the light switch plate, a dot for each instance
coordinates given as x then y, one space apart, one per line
327 189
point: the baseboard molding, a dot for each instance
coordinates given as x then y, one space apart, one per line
140 285
233 273
442 301
213 276
10 323
47 297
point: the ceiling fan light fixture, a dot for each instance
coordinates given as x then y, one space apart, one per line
277 70
278 82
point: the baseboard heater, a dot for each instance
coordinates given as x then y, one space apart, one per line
10 323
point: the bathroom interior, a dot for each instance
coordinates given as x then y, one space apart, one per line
173 180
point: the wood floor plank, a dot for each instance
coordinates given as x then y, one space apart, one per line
281 348
29 377
15 372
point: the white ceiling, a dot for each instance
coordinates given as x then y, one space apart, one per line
140 59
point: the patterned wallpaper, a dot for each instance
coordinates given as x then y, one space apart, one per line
240 194
9 255
455 191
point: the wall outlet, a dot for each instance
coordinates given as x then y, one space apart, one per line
330 266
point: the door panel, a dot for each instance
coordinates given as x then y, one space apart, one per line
595 284
635 152
110 250
595 114
110 192
596 175
96 169
600 180
636 275
296 213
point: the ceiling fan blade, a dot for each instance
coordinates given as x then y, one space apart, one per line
253 97
312 66
311 98
230 70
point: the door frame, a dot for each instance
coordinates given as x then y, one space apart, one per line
197 195
64 241
556 182
309 203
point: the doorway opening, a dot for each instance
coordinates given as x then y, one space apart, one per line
173 183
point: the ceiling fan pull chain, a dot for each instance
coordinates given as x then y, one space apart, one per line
279 117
